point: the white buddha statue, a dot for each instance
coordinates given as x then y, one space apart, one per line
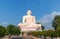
29 22
29 19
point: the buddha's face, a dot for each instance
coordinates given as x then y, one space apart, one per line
29 12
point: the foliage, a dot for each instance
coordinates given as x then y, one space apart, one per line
44 33
50 33
56 22
13 30
2 31
57 31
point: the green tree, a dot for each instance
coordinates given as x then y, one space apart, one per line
13 30
50 33
2 31
35 33
56 22
57 31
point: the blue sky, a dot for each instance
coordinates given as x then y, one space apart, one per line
11 11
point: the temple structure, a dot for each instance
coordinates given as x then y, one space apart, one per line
29 23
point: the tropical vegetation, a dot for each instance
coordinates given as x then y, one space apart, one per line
9 30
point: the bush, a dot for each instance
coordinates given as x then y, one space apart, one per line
13 30
2 31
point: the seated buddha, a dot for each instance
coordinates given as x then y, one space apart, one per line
29 22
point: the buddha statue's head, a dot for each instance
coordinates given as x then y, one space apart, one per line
29 12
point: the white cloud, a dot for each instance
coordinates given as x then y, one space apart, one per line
47 20
4 23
